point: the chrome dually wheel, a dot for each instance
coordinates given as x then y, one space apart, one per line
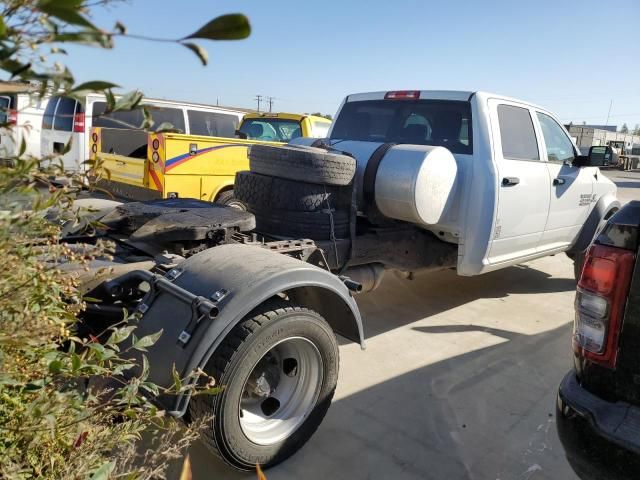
281 391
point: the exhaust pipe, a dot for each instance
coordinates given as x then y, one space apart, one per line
369 276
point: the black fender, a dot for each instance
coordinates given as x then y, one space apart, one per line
604 208
236 278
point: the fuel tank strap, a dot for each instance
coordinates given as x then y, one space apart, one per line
370 172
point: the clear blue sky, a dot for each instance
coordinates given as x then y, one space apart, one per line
572 56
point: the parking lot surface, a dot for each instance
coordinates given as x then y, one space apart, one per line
458 380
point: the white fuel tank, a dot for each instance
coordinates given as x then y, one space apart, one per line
416 183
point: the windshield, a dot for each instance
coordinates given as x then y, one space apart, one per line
445 123
271 129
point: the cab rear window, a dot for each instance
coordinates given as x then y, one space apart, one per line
445 123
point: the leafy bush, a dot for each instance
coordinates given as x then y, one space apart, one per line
66 410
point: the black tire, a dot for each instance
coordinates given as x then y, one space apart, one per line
312 225
233 362
229 198
305 164
264 192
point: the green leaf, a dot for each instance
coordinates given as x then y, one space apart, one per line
75 362
23 147
65 11
199 51
234 26
145 368
3 28
94 86
128 101
177 381
92 38
55 366
119 335
147 341
166 127
67 147
104 471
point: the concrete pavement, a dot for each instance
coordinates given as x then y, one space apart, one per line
458 380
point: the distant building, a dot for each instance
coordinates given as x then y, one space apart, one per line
587 136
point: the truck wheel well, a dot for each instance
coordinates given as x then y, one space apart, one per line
332 307
222 190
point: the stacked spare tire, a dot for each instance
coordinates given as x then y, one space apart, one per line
300 192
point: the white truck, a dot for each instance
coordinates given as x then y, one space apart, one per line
407 180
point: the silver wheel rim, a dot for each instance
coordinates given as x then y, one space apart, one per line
281 391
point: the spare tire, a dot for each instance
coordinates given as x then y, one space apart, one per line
264 192
312 225
305 164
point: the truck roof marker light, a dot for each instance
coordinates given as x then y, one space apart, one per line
403 95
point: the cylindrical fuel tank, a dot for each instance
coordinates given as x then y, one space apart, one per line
415 183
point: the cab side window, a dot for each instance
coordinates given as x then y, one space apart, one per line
559 146
517 133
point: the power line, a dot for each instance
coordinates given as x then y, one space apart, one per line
270 100
258 98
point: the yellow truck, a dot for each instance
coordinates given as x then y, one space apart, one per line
139 165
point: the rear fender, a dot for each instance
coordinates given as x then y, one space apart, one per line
237 278
604 208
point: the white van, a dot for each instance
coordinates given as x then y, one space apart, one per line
23 112
65 118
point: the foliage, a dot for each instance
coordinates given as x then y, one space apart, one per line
624 128
318 114
71 405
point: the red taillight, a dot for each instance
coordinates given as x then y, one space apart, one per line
600 303
403 95
78 122
12 117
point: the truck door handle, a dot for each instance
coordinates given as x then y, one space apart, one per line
559 181
510 181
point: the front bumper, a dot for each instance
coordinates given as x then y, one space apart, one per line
601 439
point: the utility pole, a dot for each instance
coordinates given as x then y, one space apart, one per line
258 98
609 113
270 99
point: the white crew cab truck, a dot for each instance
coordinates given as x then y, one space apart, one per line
407 180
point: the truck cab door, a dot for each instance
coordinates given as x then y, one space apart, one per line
571 186
523 185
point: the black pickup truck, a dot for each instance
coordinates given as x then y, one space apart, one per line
598 405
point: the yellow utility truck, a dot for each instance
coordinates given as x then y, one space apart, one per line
140 165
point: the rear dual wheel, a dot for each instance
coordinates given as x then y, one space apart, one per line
279 369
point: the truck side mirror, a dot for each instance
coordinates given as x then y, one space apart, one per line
241 135
599 156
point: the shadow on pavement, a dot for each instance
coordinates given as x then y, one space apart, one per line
398 302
